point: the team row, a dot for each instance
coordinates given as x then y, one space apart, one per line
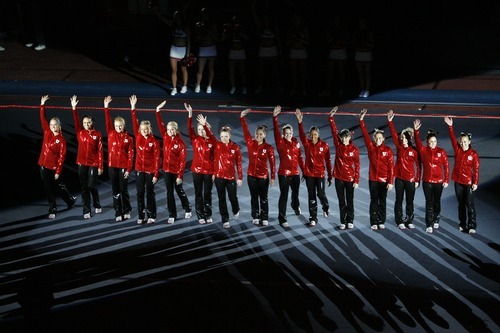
218 161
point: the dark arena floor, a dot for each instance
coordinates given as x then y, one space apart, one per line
97 275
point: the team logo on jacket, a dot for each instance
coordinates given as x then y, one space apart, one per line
264 151
320 148
209 145
94 137
469 158
410 153
126 140
57 141
384 153
351 154
151 144
175 146
232 151
439 154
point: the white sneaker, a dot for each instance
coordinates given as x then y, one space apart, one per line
350 225
202 221
126 216
265 223
184 89
40 47
151 220
171 220
2 48
140 221
236 216
98 210
233 90
298 211
374 227
255 221
209 90
209 220
312 223
411 226
244 90
472 231
188 215
435 225
342 227
285 225
86 216
226 225
197 89
381 226
118 219
52 216
28 44
366 93
361 93
173 92
326 213
428 230
402 226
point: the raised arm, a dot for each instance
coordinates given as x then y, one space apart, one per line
135 121
159 120
76 120
449 121
276 126
333 126
43 117
244 125
392 127
366 137
107 116
191 131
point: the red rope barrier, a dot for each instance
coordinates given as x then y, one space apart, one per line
326 112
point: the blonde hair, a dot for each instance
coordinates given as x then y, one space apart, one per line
173 124
147 123
120 119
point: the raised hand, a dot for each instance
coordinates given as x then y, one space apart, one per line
162 104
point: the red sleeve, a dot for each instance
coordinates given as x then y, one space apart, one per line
446 166
366 137
246 131
391 167
453 139
302 135
76 120
135 122
394 134
43 119
157 152
356 167
62 156
301 161
191 131
277 132
328 162
109 123
161 124
418 142
335 132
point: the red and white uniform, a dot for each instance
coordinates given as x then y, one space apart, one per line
434 162
346 166
90 151
53 151
120 146
203 152
147 149
174 150
226 157
407 165
317 156
258 155
381 159
289 152
466 168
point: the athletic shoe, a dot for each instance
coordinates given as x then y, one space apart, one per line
342 227
350 225
233 90
366 93
29 44
381 226
188 215
86 216
52 216
411 226
98 210
312 223
326 213
209 220
151 220
40 47
209 90
460 228
2 48
173 92
73 202
255 221
126 216
374 227
140 221
265 223
402 226
197 89
118 219
472 231
285 225
298 211
226 225
202 221
435 225
171 220
428 230
184 89
361 93
236 216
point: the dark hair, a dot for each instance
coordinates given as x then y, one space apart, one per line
262 128
469 135
345 133
314 128
430 133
